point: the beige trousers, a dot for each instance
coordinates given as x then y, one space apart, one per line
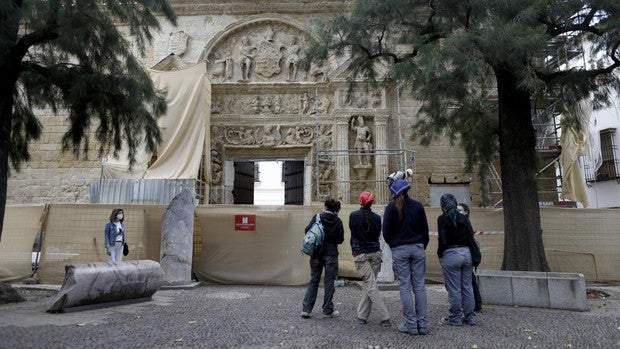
368 266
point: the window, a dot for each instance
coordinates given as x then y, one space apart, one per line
609 168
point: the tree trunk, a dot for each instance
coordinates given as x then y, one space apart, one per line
6 111
523 243
9 64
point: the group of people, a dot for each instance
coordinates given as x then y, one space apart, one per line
405 230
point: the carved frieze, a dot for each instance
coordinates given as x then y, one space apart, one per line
362 99
268 135
266 104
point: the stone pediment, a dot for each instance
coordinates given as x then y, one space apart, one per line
172 62
344 71
259 50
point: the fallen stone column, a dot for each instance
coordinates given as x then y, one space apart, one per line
101 282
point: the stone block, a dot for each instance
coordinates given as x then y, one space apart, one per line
495 287
530 289
533 289
567 291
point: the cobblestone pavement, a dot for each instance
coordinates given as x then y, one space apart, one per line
220 316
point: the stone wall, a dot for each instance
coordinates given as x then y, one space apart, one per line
52 176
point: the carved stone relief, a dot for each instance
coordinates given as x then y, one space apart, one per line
177 42
217 141
326 163
267 51
266 104
362 99
269 135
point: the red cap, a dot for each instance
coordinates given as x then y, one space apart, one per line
366 198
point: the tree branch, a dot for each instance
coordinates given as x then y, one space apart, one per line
584 25
588 73
45 34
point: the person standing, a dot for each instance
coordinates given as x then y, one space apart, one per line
365 227
326 257
464 210
405 230
114 236
455 259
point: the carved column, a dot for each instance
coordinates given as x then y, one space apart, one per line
342 170
381 159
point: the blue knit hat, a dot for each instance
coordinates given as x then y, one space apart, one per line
399 186
448 202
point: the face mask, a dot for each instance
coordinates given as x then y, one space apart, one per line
119 216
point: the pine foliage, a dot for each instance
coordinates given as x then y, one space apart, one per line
447 52
72 56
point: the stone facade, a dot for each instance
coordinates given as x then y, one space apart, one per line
264 105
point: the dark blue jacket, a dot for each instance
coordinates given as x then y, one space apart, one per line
452 236
364 234
413 229
333 233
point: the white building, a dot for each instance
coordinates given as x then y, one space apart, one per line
603 182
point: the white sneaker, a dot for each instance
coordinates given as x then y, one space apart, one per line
305 315
334 314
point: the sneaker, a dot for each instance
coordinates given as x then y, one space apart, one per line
334 314
402 328
470 322
446 321
422 331
305 315
386 323
360 321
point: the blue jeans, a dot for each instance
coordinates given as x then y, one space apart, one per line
409 262
330 263
477 296
457 270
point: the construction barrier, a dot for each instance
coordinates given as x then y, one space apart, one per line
264 249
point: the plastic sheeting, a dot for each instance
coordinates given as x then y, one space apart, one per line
184 129
575 143
576 240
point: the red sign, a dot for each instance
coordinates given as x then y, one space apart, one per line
245 222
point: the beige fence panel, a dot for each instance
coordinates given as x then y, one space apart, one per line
74 234
21 227
576 240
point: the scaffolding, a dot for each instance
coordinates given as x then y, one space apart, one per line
546 124
325 158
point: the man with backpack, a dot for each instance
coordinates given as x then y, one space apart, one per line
326 256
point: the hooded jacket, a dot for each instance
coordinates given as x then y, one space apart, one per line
333 233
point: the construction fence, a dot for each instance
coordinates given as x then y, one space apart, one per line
247 244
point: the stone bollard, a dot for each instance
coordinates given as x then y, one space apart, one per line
101 282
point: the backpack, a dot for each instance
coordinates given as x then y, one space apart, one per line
313 240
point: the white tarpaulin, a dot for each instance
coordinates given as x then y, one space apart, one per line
575 144
184 129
